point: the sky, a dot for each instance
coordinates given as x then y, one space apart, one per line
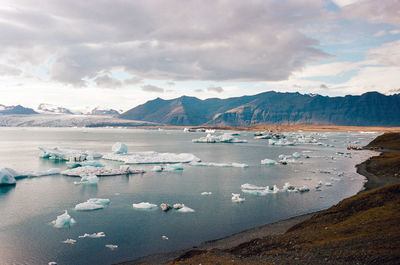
119 53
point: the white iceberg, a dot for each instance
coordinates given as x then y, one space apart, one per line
119 148
157 169
268 162
178 206
130 169
164 237
173 167
93 180
296 155
49 172
7 177
185 209
144 206
328 184
92 204
98 171
224 138
151 157
212 164
67 154
206 193
236 198
64 220
94 235
110 246
92 163
248 186
69 241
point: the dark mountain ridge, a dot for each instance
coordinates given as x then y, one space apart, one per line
368 109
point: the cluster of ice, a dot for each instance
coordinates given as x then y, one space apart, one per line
206 193
64 220
212 164
236 198
7 177
151 157
280 142
94 235
110 246
92 180
119 148
92 163
224 138
168 168
286 159
144 206
69 241
92 204
68 154
262 191
185 209
267 161
100 171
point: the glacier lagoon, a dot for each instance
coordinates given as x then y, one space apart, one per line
27 209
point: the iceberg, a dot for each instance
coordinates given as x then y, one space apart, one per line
94 235
328 184
263 191
92 204
67 154
164 237
64 220
236 198
112 247
268 162
303 189
119 148
296 155
157 169
84 164
212 164
144 206
248 186
7 177
88 180
224 138
98 171
69 241
173 167
206 193
177 206
49 172
185 209
151 157
165 207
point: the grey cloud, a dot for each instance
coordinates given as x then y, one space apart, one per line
151 88
199 90
217 89
323 86
107 82
257 40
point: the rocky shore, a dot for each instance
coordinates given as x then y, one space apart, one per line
362 229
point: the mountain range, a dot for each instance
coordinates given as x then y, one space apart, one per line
5 110
368 109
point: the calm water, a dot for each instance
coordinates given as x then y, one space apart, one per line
26 210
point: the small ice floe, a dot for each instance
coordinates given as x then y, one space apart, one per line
280 142
98 171
328 184
52 263
186 129
7 177
210 131
224 138
92 180
303 189
92 204
49 172
185 209
94 235
64 220
112 247
263 191
151 157
206 193
93 163
67 154
69 241
144 206
212 164
177 206
165 207
157 169
119 148
168 168
269 162
296 155
236 198
164 237
130 169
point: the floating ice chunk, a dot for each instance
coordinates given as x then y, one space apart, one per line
157 169
64 220
210 131
144 206
67 154
92 204
178 206
296 155
69 241
98 171
328 184
236 198
165 207
257 192
151 158
248 186
212 164
112 247
268 162
288 187
130 169
185 209
84 164
206 193
186 130
224 138
90 179
119 148
6 177
94 235
164 237
52 263
303 189
49 172
173 167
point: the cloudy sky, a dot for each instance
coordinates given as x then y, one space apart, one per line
119 53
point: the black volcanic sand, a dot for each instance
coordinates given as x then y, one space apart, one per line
362 229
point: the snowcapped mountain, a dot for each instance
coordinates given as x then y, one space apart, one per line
103 111
50 108
15 110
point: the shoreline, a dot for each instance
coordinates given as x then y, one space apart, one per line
271 229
